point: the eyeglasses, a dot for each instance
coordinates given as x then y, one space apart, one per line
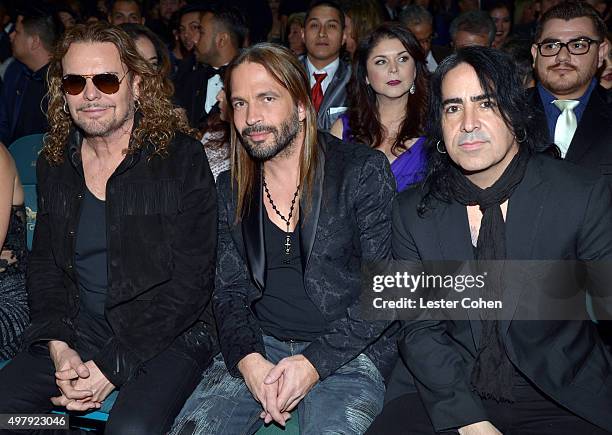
575 46
73 84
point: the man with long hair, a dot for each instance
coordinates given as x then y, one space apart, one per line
122 265
488 197
299 214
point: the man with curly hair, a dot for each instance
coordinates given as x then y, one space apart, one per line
122 265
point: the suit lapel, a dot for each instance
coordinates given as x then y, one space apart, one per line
309 222
453 229
523 220
591 123
253 236
333 88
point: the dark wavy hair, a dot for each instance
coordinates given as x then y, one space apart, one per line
363 115
500 80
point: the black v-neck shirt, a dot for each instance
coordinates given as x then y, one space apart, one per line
285 311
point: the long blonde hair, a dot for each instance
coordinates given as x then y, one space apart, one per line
287 70
159 120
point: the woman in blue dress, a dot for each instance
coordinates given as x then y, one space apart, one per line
387 99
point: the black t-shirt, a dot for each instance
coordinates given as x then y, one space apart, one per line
90 255
285 311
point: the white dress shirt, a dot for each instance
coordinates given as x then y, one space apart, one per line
330 69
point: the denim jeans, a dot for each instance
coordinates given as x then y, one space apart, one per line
344 403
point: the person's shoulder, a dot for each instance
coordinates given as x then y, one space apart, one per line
347 151
408 200
182 142
566 176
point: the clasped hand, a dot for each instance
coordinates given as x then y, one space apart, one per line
279 388
83 385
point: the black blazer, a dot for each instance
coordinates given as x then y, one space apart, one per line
591 145
161 227
559 211
191 88
349 222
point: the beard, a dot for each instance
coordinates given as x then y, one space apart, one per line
103 127
558 84
281 144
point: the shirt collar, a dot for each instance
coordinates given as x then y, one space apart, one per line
330 68
548 98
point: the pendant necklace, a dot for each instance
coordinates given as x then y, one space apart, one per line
287 220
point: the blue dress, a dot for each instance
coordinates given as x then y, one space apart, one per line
408 168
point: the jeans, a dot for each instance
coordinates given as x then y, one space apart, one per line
344 403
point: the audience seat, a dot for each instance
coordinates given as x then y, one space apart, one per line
25 152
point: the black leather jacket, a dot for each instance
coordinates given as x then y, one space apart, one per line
161 227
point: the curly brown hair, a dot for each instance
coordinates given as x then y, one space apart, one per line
160 119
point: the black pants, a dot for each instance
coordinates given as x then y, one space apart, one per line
530 414
146 405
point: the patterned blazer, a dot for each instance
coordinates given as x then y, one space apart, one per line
348 222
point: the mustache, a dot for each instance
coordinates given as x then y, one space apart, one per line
565 64
94 106
473 136
257 129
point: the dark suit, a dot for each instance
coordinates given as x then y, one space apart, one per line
191 86
591 146
349 222
559 211
440 52
334 98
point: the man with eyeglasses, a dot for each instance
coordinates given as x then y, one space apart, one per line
569 47
121 270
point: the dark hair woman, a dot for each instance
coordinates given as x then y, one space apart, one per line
387 98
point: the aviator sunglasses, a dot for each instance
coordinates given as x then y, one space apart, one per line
108 83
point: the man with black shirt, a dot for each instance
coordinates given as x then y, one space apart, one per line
490 198
328 74
23 103
221 35
122 265
298 216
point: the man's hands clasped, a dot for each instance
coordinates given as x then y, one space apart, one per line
279 388
82 384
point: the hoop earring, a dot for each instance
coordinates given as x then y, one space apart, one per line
136 105
438 148
524 136
65 108
412 89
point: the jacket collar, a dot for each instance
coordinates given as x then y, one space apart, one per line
252 225
523 219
